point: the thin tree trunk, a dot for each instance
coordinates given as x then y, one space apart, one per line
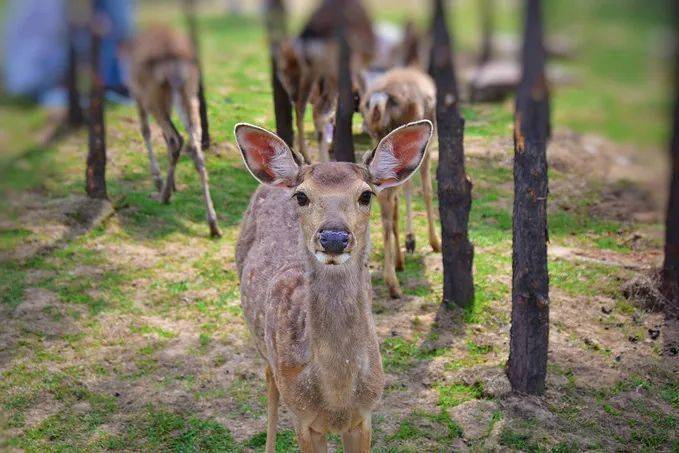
75 111
276 25
454 187
670 272
95 175
190 12
342 135
527 365
486 30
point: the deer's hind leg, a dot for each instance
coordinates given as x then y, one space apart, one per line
425 171
410 236
146 134
189 112
386 200
398 257
273 397
175 142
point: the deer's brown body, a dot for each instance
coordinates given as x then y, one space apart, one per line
308 65
398 97
306 299
163 73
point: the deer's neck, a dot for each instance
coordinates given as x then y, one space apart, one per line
340 327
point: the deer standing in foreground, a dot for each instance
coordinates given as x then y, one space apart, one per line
164 72
302 259
397 97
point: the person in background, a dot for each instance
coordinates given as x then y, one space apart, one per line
36 41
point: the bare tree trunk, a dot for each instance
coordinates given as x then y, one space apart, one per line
95 175
454 187
486 30
527 365
190 12
342 136
276 25
670 272
75 111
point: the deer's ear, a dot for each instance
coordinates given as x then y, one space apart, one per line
399 154
267 156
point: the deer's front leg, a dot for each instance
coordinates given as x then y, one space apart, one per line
300 109
309 440
272 411
358 439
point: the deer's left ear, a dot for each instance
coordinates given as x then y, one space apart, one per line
267 156
399 154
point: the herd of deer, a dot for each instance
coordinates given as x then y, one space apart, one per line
302 255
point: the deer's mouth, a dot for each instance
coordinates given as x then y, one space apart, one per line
332 259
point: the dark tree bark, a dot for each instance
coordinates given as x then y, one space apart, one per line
486 30
342 135
276 25
75 111
454 187
190 12
670 272
95 174
527 365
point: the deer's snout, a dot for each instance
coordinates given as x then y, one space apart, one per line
334 241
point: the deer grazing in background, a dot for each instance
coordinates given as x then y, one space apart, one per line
302 259
397 97
307 65
163 73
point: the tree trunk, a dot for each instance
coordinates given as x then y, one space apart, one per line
276 25
75 111
527 365
670 272
486 30
95 175
454 187
190 13
342 135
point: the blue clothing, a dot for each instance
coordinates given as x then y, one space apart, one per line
36 47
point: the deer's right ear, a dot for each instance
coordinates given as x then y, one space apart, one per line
267 156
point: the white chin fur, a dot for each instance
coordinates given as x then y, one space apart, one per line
324 258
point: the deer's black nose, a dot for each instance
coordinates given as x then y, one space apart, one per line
333 241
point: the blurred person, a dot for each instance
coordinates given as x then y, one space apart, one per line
35 54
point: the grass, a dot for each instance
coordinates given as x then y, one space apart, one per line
148 302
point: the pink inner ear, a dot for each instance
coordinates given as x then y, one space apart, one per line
260 149
407 146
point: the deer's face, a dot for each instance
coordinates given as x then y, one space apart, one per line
333 202
333 199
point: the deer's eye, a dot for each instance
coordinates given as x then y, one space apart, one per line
365 198
301 198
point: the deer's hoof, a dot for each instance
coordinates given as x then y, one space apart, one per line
410 243
435 245
395 293
215 232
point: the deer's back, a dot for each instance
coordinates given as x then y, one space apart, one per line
408 85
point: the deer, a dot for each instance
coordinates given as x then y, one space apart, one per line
164 72
397 97
302 260
307 65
